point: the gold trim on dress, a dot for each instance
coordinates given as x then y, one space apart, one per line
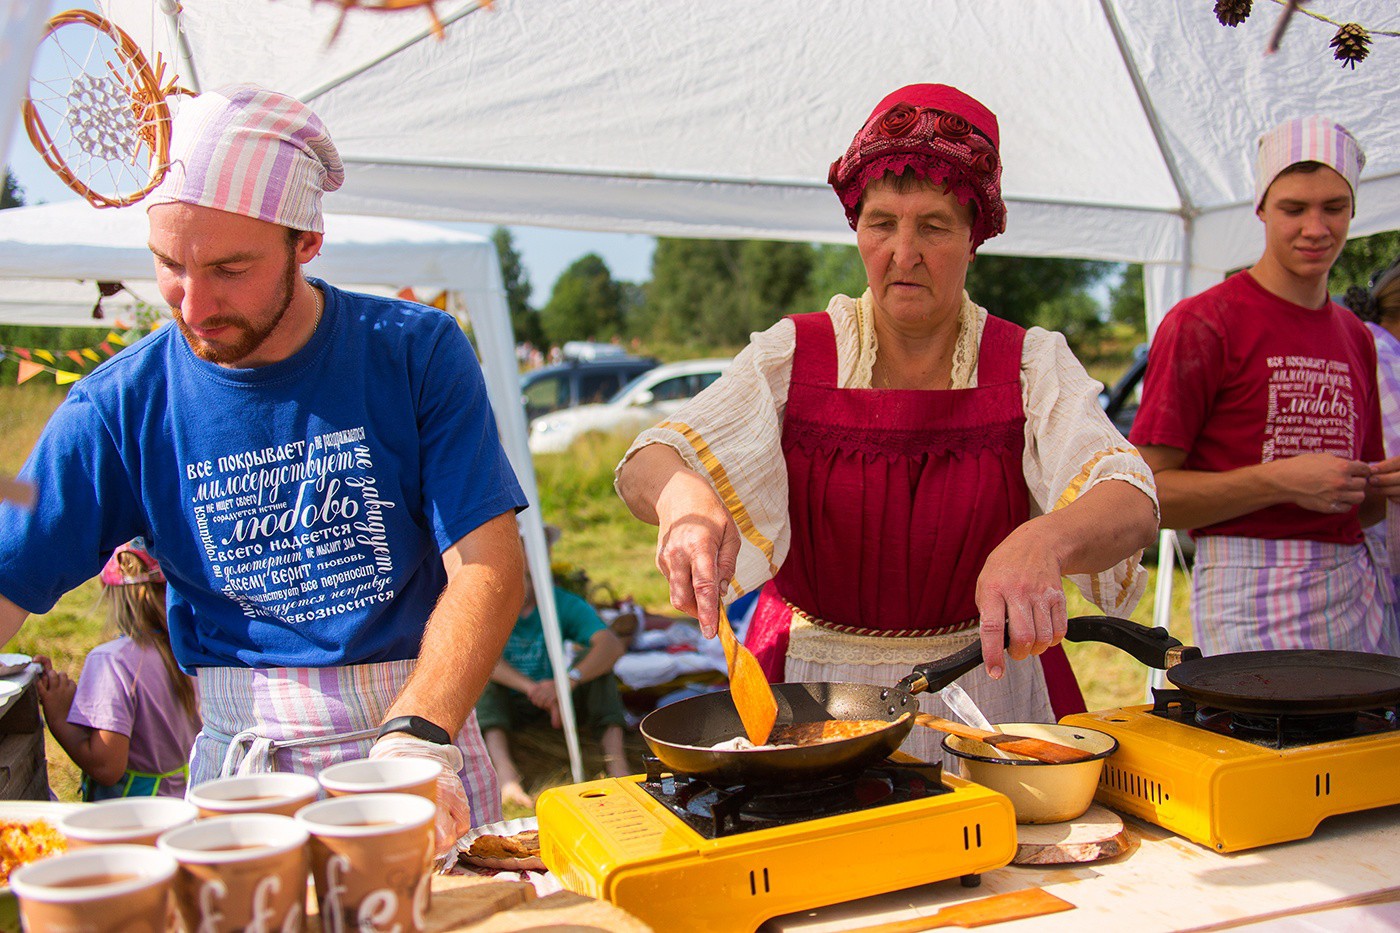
720 477
950 629
1077 484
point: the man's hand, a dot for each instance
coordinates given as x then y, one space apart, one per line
1385 478
542 694
454 814
697 547
1020 591
1326 483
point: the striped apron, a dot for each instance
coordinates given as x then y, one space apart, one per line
305 719
1255 594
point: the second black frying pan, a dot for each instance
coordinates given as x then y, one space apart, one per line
1286 682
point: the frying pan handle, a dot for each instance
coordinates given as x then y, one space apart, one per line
935 675
1154 647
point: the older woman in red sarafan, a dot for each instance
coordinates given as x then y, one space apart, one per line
903 473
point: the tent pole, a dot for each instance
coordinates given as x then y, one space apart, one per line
171 9
21 25
1162 598
497 348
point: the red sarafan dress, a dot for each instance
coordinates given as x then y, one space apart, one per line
896 499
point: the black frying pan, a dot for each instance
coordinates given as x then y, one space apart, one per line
1285 682
680 735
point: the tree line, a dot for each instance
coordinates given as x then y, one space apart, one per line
713 293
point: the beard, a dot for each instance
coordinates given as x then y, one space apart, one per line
248 335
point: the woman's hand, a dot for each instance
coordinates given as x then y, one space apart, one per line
697 547
1020 591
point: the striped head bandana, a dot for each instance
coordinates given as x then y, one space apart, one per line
251 151
1307 139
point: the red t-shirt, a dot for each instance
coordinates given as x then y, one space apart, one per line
1238 376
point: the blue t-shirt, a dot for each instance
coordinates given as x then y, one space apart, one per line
525 649
298 510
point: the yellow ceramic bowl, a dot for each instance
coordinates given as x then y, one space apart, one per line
1041 792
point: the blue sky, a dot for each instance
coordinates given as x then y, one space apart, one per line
545 252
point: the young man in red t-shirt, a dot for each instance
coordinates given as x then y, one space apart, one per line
1261 419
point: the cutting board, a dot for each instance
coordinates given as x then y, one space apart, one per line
1098 834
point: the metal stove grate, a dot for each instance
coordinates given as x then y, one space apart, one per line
717 811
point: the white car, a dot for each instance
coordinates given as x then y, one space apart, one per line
641 403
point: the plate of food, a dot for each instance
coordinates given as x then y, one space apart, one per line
28 833
13 663
510 844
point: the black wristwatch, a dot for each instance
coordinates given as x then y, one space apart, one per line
418 727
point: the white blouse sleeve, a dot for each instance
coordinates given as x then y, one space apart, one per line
732 434
1072 446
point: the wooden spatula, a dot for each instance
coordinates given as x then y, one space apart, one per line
752 695
1039 749
1032 902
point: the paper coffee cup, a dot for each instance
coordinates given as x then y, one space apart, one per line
129 821
240 873
281 792
104 889
371 857
383 776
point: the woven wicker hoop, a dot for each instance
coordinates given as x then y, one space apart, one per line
133 72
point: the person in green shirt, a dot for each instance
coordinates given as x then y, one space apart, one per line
521 690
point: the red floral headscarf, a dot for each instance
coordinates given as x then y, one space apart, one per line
944 136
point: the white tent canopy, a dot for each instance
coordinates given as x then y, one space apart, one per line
1127 125
45 250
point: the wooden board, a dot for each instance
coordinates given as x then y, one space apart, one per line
563 911
1169 884
1098 834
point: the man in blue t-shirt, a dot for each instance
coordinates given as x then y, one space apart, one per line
522 691
318 473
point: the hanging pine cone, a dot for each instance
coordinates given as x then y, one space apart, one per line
1232 12
1350 43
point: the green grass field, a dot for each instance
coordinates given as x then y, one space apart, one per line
600 537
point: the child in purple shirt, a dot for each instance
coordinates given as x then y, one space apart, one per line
130 720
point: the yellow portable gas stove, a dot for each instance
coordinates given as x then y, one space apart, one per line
1251 748
1229 785
684 855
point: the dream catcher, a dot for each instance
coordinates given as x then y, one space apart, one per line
102 123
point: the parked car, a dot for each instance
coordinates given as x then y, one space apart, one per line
1120 401
579 382
646 400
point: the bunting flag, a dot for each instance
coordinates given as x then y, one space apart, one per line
28 370
35 360
408 294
